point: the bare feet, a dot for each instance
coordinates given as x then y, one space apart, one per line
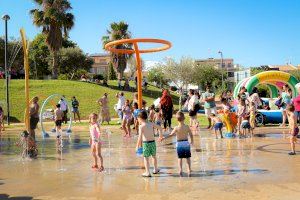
180 173
146 175
101 169
95 167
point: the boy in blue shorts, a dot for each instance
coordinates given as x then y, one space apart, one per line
182 132
217 125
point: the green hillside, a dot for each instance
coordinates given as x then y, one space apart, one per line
86 93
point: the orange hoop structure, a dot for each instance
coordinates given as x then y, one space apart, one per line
110 47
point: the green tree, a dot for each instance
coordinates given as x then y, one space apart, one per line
156 75
112 72
204 74
14 53
56 21
40 56
256 70
72 60
180 72
296 73
118 31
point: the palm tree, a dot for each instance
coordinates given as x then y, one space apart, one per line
118 31
56 22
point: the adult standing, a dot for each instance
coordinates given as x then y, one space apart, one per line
209 104
104 112
243 94
286 99
193 108
120 104
34 116
75 108
166 105
296 102
136 100
64 108
254 97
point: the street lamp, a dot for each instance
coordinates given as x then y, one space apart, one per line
221 53
7 71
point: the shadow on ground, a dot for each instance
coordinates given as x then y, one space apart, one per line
6 197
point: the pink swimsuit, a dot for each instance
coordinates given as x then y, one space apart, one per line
94 134
127 113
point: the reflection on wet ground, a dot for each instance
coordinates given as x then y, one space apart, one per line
222 169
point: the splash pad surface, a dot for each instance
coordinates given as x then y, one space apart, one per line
228 168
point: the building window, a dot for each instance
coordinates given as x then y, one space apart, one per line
230 74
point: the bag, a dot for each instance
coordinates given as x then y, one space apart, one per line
196 107
278 103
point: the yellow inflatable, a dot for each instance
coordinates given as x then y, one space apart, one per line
230 120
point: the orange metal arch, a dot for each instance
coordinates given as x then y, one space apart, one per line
111 47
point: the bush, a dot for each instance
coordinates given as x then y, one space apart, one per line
63 77
98 76
79 73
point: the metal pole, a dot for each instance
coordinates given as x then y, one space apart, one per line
221 53
139 75
7 71
222 70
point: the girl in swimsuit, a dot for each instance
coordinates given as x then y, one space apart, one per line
127 118
95 142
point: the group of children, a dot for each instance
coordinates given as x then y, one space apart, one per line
244 113
146 140
130 116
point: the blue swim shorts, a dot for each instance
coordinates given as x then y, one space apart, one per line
183 149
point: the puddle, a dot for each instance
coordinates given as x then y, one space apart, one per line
270 135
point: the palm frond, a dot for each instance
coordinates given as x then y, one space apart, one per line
39 2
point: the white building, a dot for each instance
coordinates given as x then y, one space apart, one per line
241 74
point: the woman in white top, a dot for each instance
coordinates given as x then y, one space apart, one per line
193 107
254 97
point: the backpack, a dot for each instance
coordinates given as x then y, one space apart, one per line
279 103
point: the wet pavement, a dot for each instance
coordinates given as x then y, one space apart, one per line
251 168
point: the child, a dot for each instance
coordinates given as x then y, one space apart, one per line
58 116
245 125
241 112
147 141
1 120
182 132
217 125
252 111
95 142
135 116
294 130
127 117
151 113
225 105
157 118
28 145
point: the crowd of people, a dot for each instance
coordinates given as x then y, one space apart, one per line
156 119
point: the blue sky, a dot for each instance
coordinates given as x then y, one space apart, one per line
252 32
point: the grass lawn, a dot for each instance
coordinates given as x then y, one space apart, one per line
86 93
